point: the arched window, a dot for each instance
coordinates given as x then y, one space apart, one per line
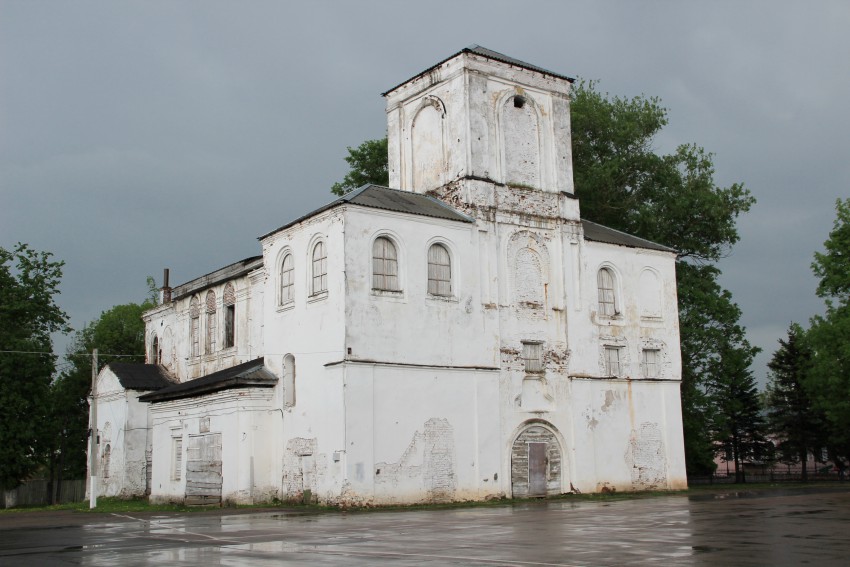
607 297
211 330
289 380
194 331
320 268
439 271
155 356
384 265
229 315
287 280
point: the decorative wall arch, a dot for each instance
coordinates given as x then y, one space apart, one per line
528 261
519 121
428 145
650 294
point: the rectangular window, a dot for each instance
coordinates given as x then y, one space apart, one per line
649 362
532 355
177 458
229 323
612 361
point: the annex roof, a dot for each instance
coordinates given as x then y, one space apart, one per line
599 233
143 377
378 197
252 374
228 272
489 54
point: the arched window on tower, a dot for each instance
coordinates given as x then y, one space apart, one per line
439 271
195 328
320 268
211 327
607 296
229 315
384 265
287 280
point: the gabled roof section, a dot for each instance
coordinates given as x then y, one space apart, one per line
599 233
251 374
142 377
489 54
229 272
384 198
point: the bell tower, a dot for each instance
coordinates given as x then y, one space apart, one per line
481 121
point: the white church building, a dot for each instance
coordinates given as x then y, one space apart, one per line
462 335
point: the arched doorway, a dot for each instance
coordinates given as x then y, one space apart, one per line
536 461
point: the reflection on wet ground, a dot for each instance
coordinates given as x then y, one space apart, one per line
790 527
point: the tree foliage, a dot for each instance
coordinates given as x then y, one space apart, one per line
623 182
791 414
368 163
828 380
29 283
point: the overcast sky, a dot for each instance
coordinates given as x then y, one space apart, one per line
136 136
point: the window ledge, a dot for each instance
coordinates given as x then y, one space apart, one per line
395 293
318 296
444 298
286 306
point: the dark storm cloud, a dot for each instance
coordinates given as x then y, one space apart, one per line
140 135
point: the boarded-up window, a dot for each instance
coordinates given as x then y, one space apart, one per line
287 280
176 458
607 298
439 271
649 362
532 355
612 361
289 380
211 327
229 316
384 265
195 315
320 268
107 457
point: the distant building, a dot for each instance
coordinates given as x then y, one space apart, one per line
464 335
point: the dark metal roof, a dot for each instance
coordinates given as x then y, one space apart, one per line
144 377
378 197
599 233
245 375
228 272
489 54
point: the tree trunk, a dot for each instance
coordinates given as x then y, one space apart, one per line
804 457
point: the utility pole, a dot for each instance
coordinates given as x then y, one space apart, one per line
94 436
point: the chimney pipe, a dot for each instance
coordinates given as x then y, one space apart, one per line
166 290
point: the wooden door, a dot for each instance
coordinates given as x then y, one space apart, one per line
538 466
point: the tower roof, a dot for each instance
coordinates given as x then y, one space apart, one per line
489 54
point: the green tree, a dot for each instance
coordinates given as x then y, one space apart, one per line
368 163
119 335
828 381
624 183
29 282
791 414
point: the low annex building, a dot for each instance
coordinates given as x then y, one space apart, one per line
462 335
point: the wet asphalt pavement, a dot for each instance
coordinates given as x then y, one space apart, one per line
802 527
